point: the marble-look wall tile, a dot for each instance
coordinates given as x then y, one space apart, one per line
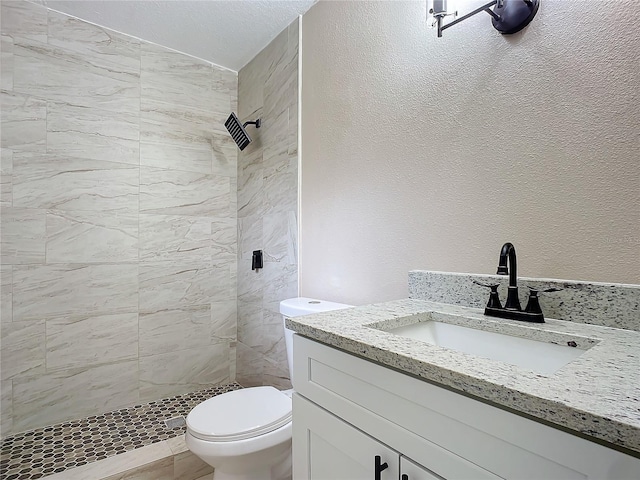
76 393
171 77
276 373
170 285
6 408
191 159
23 122
224 321
54 290
250 184
267 206
92 133
175 329
23 351
84 237
225 238
250 366
66 77
23 19
118 219
250 324
175 238
183 371
76 342
6 177
6 63
280 233
65 183
102 46
225 154
177 125
173 192
22 235
6 293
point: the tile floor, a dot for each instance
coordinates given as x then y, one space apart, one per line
56 448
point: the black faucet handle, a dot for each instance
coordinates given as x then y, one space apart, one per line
548 290
533 305
487 285
494 298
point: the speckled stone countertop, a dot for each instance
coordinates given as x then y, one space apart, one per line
597 394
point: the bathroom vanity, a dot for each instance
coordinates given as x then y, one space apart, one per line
378 396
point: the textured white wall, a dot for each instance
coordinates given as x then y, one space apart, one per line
427 153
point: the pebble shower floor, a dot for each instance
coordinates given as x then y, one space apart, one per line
53 449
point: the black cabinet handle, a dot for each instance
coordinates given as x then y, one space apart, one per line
404 477
379 467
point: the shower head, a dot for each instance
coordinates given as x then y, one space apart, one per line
238 132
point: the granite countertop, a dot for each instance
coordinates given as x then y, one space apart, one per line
597 394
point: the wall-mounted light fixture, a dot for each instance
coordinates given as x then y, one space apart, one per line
507 16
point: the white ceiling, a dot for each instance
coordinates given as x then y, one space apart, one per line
226 32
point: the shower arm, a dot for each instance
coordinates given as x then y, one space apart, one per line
256 123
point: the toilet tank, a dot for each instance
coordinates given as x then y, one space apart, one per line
296 307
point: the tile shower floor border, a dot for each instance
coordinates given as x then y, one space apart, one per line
53 449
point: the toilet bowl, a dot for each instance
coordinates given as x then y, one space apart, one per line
246 434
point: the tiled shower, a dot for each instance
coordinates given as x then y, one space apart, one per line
128 215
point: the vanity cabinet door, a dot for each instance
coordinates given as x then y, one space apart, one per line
412 471
327 448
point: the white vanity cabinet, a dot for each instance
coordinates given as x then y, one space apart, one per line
351 416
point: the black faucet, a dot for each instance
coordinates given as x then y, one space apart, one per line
508 265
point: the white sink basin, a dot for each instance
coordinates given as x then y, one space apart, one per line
541 357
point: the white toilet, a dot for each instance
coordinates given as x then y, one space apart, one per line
246 434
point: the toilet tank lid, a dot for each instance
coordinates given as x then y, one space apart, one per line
295 307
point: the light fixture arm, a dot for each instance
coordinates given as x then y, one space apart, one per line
485 8
508 16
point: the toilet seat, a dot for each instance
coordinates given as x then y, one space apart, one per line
239 415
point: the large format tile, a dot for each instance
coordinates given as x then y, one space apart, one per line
6 293
173 192
183 371
67 77
6 408
176 238
6 177
250 366
92 133
62 182
99 45
196 158
23 122
171 77
224 236
58 396
84 237
158 470
224 320
175 329
23 349
75 342
24 19
6 63
225 155
54 290
22 235
280 233
177 125
169 285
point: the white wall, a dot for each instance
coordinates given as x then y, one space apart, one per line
427 153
